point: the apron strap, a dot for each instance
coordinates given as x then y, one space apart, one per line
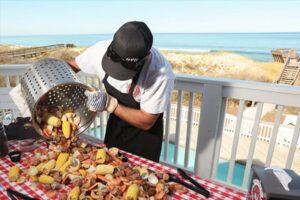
134 82
105 77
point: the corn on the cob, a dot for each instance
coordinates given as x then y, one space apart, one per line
45 179
52 120
66 129
61 160
100 156
132 192
65 166
14 173
40 167
104 169
74 193
49 165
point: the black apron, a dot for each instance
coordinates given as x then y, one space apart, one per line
124 136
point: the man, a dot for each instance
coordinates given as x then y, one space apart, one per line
138 82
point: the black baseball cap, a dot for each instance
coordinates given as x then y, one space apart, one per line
126 54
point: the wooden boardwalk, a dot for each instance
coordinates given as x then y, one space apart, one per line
290 72
34 51
281 55
291 65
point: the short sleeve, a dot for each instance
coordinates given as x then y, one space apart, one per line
90 61
156 99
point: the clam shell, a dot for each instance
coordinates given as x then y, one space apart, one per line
72 176
109 177
152 179
92 169
75 162
113 150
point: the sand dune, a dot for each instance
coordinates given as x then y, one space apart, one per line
221 64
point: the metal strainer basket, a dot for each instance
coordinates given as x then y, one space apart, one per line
52 83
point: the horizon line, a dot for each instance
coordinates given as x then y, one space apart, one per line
153 33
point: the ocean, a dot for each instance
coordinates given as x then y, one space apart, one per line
256 46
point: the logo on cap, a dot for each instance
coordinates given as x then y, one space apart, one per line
132 59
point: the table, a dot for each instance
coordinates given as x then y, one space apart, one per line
218 191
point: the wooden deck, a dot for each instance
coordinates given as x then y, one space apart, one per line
281 55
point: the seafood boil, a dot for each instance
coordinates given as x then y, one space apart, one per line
56 122
86 171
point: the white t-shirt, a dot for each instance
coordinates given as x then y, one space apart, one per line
154 85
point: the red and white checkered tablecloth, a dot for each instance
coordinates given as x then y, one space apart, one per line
218 191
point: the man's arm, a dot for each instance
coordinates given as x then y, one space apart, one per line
135 117
100 101
74 65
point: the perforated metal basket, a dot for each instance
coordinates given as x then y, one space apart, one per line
51 83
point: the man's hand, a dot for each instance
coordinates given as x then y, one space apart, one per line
100 101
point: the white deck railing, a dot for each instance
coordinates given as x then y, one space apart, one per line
265 128
210 119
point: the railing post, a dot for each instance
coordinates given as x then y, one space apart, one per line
208 130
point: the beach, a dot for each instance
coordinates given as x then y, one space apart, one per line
213 64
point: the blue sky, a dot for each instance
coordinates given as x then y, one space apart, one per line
27 17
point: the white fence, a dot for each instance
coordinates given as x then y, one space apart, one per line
284 137
265 130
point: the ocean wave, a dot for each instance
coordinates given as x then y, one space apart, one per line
252 52
259 55
184 49
215 50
